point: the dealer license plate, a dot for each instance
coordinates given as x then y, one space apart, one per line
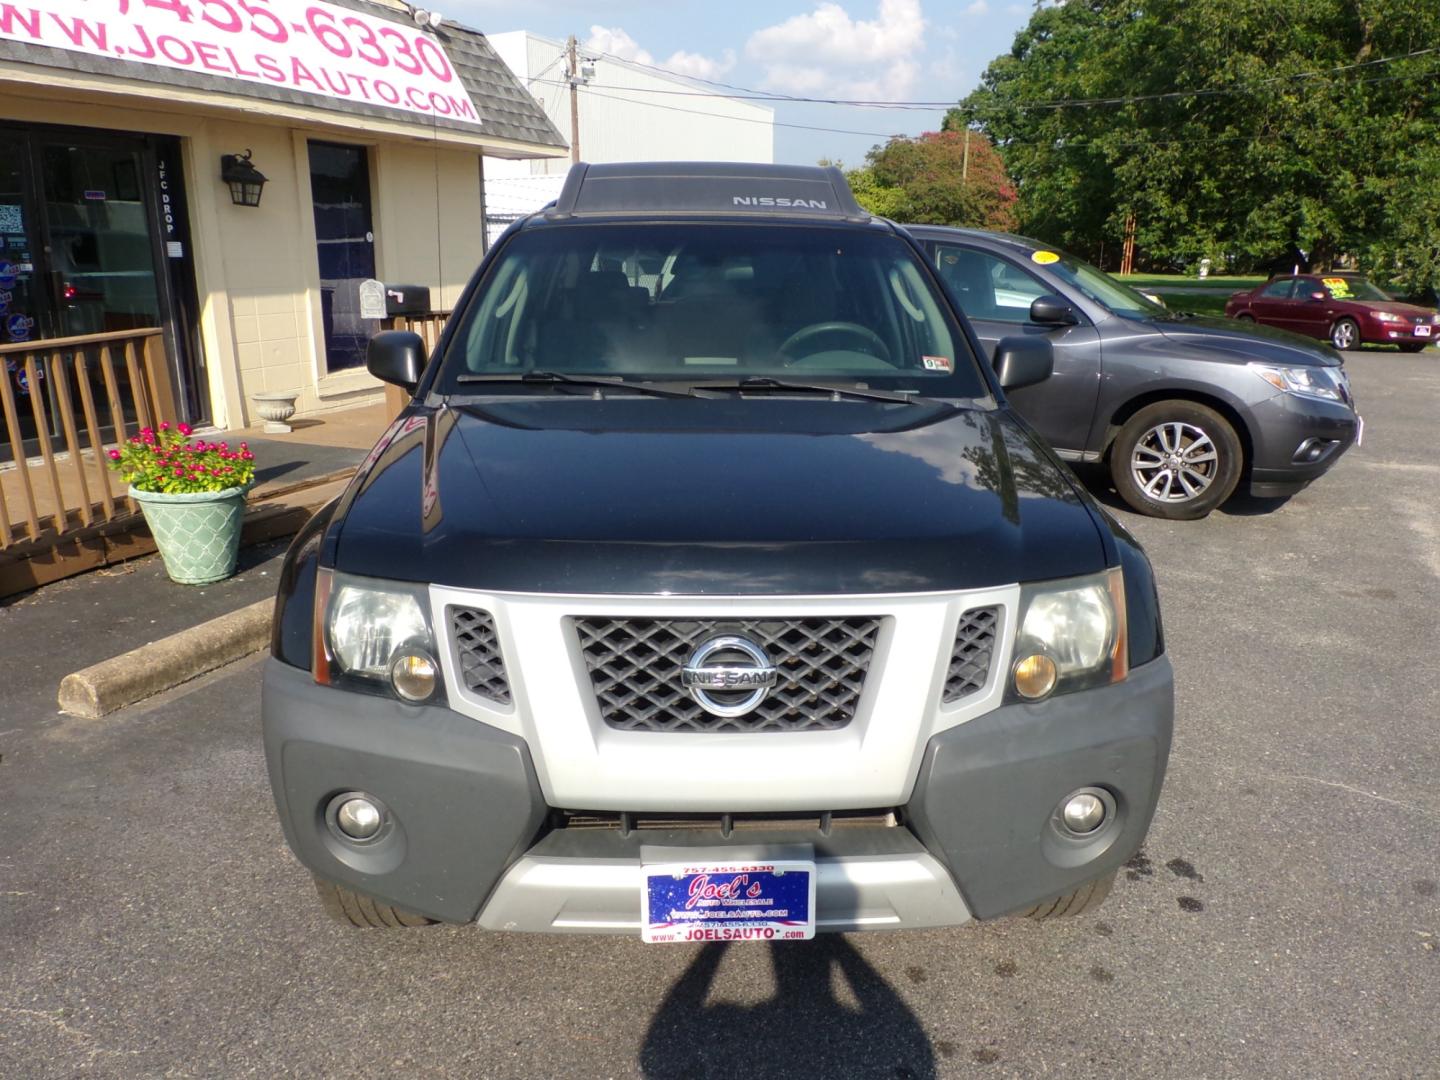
736 901
1422 330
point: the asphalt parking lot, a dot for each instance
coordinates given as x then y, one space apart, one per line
1283 920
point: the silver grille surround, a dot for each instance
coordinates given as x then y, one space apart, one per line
634 666
971 654
477 653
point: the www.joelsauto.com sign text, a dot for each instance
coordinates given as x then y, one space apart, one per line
315 47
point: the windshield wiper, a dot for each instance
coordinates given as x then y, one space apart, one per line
555 378
761 382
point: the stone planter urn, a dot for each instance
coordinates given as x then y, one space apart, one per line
275 408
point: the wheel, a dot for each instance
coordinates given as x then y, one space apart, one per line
1087 897
1244 316
355 909
1412 346
847 329
1176 460
1345 334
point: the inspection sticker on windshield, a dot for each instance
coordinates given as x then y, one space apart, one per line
937 363
1044 258
761 901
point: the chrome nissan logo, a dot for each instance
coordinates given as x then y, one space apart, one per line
728 675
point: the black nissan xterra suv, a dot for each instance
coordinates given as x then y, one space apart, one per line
709 589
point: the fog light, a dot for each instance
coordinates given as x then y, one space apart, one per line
358 818
1083 812
1035 676
413 675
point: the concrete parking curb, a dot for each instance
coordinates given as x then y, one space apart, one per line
151 669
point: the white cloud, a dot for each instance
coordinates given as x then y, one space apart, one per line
615 41
979 7
827 52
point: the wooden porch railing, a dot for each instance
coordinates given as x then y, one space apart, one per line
429 326
81 394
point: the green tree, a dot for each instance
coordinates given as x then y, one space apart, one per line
939 178
1225 127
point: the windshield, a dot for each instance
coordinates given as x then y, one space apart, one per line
1117 298
1355 288
703 302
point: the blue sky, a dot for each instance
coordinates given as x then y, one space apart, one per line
872 50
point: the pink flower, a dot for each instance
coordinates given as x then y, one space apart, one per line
179 471
114 455
248 456
185 429
244 446
165 425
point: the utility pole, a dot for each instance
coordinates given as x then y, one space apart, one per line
571 48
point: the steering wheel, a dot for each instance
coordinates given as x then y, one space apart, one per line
854 330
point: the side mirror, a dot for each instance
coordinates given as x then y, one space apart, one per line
1052 311
396 356
1023 361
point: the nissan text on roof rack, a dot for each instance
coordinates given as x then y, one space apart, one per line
707 589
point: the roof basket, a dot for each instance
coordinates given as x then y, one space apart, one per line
707 187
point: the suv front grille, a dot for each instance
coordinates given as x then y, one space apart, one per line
635 666
970 657
477 651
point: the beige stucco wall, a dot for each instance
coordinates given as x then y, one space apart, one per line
256 268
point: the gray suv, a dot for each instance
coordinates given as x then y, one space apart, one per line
1185 409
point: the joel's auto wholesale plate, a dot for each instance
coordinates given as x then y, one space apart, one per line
744 900
1421 330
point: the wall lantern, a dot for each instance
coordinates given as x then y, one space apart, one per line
244 179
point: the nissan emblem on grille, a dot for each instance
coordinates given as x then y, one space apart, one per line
638 670
728 675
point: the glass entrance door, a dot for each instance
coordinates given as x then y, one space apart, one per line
80 254
100 248
340 188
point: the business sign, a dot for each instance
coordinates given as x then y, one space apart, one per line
316 48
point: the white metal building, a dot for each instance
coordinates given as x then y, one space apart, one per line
628 112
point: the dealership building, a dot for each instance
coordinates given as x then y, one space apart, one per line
230 173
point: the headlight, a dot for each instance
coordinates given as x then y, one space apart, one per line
1388 316
1322 383
1072 635
370 629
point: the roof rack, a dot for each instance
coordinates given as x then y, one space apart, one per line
707 187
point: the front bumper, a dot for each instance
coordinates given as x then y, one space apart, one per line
472 837
1295 441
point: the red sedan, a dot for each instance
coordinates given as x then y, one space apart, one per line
1345 308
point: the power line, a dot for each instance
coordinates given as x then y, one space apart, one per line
590 91
750 94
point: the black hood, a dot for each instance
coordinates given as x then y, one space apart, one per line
763 496
1248 341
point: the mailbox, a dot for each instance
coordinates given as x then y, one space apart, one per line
407 299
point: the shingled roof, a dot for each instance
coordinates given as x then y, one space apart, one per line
507 111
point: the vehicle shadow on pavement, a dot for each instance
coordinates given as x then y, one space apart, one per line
804 1029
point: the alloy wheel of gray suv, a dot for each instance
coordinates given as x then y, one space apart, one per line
1345 334
1176 459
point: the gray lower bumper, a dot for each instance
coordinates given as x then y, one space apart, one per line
471 840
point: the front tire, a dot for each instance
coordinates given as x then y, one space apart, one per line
1177 460
1086 898
1345 334
1244 316
356 909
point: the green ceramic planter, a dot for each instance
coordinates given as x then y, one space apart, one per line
198 534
